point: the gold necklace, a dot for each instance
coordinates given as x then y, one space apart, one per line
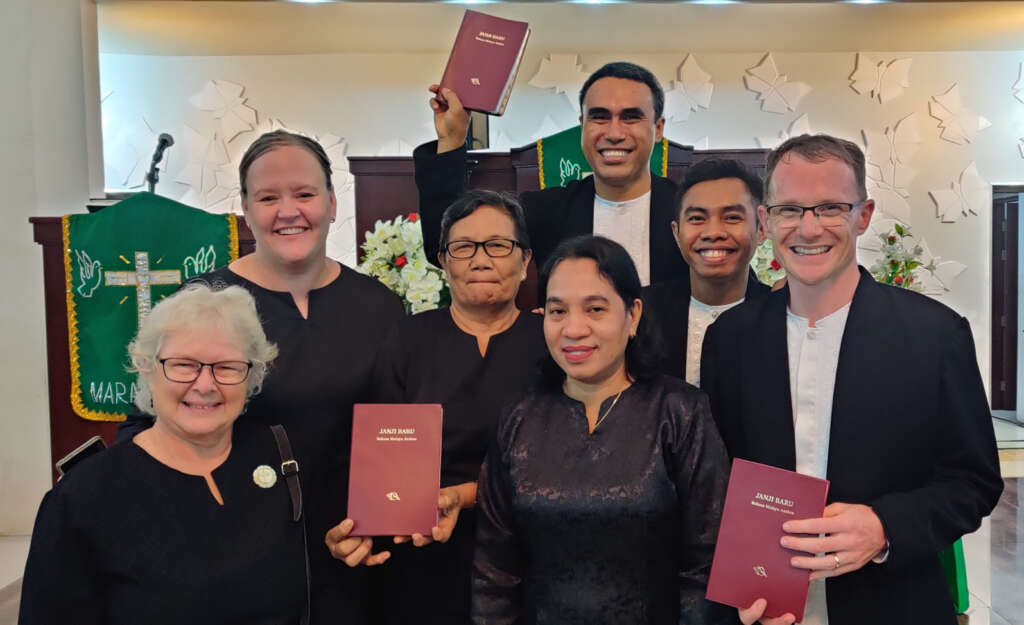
601 418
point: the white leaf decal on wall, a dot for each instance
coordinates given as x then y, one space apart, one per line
959 124
937 275
776 93
888 175
800 126
224 99
212 181
967 196
692 91
563 73
880 80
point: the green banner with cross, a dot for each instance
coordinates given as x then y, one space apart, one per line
118 263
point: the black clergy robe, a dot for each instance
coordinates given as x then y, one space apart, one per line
668 307
911 434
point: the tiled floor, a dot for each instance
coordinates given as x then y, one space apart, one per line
1007 552
1009 432
994 554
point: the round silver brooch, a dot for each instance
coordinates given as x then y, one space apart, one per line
264 476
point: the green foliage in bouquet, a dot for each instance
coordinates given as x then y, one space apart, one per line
899 259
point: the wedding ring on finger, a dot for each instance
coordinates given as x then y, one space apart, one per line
835 557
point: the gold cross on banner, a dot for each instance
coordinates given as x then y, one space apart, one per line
142 279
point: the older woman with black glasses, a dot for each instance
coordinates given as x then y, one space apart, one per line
473 358
601 495
191 520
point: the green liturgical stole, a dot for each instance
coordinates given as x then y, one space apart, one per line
560 158
118 263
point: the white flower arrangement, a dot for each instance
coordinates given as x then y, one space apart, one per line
768 269
900 260
393 254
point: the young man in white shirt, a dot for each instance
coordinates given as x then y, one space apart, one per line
873 387
717 232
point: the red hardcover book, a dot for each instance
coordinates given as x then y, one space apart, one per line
749 562
395 470
485 60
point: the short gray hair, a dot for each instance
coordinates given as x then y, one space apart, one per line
198 305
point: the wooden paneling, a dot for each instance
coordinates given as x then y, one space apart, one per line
1005 227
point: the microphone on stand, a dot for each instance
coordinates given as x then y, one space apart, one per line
163 142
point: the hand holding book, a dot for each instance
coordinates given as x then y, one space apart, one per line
450 501
451 120
854 536
352 550
755 614
847 535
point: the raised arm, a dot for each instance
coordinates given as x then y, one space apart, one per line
440 166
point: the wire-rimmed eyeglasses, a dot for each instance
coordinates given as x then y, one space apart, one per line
828 214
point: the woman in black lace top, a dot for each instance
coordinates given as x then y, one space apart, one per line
600 498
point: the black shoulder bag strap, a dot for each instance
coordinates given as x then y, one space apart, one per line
290 471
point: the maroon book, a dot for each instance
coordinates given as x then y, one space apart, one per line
395 471
749 562
485 60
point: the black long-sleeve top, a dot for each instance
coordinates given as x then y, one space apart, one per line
615 526
428 359
324 366
125 539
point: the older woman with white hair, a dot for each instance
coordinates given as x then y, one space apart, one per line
195 520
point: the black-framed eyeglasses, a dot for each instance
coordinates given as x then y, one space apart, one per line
828 214
495 248
188 370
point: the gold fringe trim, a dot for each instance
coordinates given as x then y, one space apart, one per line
540 162
232 236
664 157
76 383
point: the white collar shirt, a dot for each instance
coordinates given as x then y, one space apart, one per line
628 224
813 360
700 318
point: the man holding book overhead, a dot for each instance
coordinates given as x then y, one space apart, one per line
621 113
875 388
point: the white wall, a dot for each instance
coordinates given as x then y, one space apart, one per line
43 171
